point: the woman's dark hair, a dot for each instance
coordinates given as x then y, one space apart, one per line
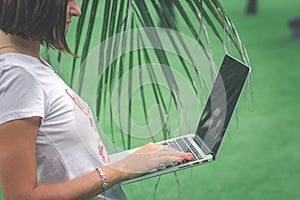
42 20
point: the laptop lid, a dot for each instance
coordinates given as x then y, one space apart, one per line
221 103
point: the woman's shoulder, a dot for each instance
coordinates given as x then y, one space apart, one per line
16 65
18 60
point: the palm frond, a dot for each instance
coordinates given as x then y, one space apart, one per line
146 67
142 53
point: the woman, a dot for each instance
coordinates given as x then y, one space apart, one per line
49 147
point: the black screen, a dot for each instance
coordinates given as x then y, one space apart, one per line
222 102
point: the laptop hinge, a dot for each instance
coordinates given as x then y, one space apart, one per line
203 146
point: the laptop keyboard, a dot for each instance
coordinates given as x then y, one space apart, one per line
184 145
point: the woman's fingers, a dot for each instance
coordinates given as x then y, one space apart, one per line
180 156
169 159
162 154
149 157
159 151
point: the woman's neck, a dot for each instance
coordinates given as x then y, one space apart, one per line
12 43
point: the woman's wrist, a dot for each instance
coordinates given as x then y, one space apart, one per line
103 178
109 176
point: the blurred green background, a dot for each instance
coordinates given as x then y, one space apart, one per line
259 158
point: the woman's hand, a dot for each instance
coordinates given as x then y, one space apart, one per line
147 158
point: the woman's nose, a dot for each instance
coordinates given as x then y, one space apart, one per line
74 8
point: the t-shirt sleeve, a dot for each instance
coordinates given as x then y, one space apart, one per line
21 95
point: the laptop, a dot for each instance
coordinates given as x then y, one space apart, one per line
205 143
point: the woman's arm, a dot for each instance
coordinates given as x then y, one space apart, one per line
18 170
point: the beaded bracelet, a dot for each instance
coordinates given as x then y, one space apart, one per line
103 177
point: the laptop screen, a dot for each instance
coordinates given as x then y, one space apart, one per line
221 103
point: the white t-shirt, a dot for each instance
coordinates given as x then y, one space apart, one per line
68 145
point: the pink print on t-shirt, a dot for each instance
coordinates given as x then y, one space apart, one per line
88 113
102 151
84 108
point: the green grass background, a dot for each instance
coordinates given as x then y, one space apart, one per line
260 159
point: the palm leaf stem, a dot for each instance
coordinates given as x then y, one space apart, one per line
78 37
143 99
156 91
87 43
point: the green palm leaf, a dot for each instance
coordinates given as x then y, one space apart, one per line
134 59
142 56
